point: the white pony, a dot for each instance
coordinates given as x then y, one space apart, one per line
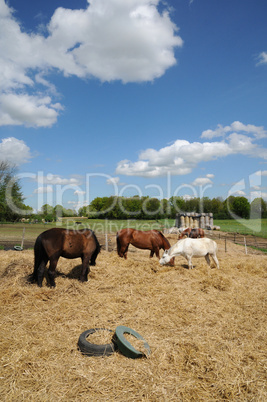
189 248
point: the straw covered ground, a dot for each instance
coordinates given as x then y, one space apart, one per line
206 329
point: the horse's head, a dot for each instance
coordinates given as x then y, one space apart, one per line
165 258
183 236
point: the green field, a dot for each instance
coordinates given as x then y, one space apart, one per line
256 227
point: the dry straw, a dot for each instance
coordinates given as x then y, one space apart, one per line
206 329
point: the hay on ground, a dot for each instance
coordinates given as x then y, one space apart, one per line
206 329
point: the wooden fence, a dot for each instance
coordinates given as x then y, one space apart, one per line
108 240
237 238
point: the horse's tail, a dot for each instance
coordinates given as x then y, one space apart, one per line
118 243
40 256
97 249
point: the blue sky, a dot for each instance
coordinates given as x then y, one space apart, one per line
116 97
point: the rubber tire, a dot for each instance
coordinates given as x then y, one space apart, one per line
18 248
91 349
125 346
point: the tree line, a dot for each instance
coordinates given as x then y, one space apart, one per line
12 203
152 208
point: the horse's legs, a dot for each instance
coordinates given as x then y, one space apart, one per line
207 259
52 271
189 259
215 259
39 275
93 258
156 250
123 250
85 268
151 253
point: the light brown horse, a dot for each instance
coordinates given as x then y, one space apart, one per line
57 242
192 233
152 240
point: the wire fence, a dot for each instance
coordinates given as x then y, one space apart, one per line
237 238
108 240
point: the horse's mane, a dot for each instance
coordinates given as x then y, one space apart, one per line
164 238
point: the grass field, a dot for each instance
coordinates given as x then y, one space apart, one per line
257 227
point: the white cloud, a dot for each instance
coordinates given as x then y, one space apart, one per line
182 157
33 111
79 192
239 193
201 181
113 180
262 58
43 190
261 173
58 180
109 40
236 126
14 151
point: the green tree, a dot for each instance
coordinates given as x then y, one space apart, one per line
48 213
58 211
238 206
12 205
152 208
258 208
84 211
177 205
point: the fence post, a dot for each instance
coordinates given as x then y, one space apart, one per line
225 247
245 245
106 241
23 235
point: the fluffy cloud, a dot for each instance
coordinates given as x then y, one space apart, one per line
113 180
201 181
14 151
109 40
43 190
183 156
236 126
261 173
53 179
18 109
79 192
262 58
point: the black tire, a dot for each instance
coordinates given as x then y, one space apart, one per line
125 346
90 349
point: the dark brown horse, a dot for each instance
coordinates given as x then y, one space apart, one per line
57 242
192 233
149 240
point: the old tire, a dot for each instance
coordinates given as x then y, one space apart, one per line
125 346
91 349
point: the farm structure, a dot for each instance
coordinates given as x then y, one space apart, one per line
194 220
